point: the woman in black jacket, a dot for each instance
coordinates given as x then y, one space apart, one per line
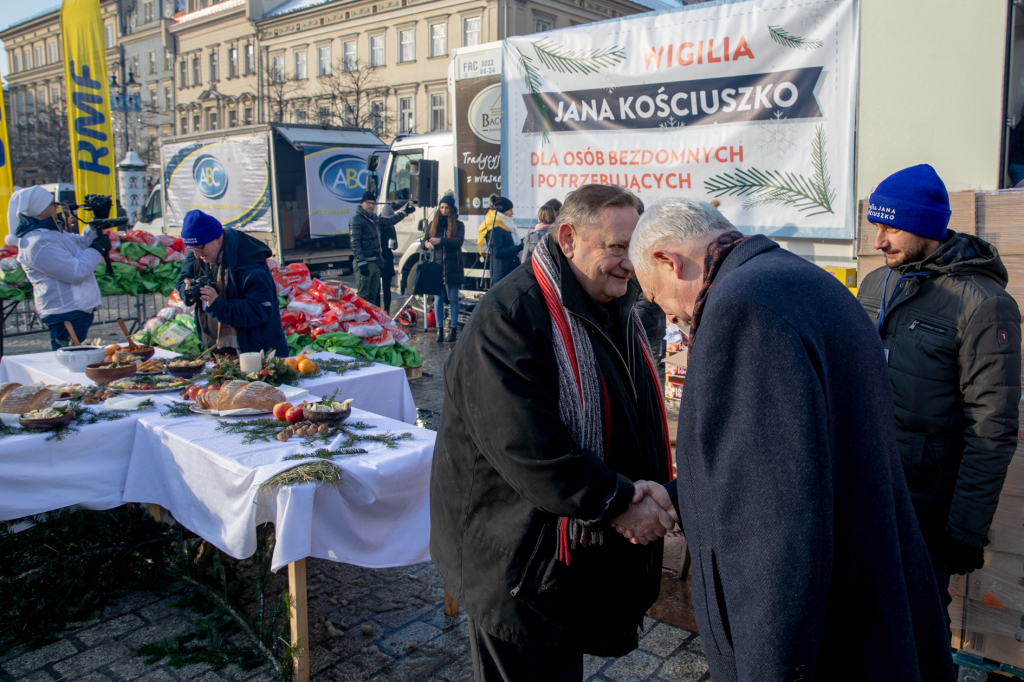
504 244
443 242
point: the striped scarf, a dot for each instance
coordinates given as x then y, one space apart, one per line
583 404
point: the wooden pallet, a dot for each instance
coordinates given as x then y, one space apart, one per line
413 372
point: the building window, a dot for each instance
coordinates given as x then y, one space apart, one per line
377 117
407 45
31 101
438 113
323 60
211 119
247 116
324 116
233 61
183 76
349 118
17 62
54 94
152 62
405 115
214 66
39 56
135 66
167 60
196 123
108 34
350 55
152 98
21 103
439 40
147 12
168 98
377 50
300 116
277 69
53 52
471 31
184 125
196 80
250 58
28 58
541 26
300 64
232 119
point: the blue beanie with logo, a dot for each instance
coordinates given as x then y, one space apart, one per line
199 228
913 200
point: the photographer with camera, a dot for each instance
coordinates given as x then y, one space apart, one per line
225 275
59 263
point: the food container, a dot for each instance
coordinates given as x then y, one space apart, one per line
51 423
185 371
75 358
140 352
328 416
105 375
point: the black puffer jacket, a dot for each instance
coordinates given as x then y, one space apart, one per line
365 233
505 469
952 336
448 253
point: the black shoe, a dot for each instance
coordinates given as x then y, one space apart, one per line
440 334
451 335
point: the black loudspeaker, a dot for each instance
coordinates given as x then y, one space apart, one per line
423 183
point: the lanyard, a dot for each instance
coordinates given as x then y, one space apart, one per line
884 307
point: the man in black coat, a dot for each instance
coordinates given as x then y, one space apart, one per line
525 488
808 561
364 229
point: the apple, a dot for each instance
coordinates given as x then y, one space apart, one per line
193 391
280 410
213 387
294 415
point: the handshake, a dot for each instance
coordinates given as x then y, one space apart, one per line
650 514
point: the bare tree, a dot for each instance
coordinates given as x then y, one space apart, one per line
279 90
352 95
41 145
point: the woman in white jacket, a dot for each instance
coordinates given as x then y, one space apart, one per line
59 264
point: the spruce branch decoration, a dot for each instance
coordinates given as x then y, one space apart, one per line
783 38
563 60
781 188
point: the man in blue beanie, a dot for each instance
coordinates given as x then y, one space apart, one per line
237 307
952 339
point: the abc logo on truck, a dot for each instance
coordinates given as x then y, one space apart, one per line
344 177
210 176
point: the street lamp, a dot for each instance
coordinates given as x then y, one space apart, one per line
122 100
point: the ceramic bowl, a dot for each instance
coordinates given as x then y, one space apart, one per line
328 417
75 358
143 353
51 423
103 375
185 372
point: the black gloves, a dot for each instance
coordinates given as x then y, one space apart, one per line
520 247
101 243
364 269
961 558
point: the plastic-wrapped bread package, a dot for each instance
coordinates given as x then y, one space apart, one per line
995 634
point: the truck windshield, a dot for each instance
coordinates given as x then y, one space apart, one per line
154 209
398 183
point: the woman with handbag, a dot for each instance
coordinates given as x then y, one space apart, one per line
443 242
502 239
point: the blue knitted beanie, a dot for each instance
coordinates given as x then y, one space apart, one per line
913 200
199 228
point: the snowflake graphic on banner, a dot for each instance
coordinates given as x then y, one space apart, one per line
609 83
672 122
814 15
778 136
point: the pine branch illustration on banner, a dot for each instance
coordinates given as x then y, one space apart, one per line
783 38
781 188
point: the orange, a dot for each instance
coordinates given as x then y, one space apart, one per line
306 366
291 362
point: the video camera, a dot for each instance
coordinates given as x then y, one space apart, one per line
100 205
192 292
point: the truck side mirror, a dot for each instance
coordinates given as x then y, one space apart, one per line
372 162
371 183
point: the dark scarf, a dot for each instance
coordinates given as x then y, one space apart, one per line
27 224
713 259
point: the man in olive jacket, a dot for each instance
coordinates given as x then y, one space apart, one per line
521 511
952 340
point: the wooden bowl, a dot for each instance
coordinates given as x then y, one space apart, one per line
51 423
144 353
105 375
328 417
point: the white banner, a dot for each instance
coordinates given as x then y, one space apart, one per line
228 178
751 103
335 182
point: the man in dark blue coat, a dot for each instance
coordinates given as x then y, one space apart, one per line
808 562
239 308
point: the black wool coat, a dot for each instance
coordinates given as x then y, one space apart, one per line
505 470
448 253
808 563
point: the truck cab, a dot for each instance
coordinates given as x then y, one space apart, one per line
152 217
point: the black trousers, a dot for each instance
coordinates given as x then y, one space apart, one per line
385 285
495 660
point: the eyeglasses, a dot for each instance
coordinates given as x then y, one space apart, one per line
196 248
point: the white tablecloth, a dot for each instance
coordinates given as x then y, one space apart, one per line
87 468
379 389
208 479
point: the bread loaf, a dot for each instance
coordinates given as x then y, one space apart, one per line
6 387
27 398
256 395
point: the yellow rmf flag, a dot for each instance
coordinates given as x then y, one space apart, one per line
6 183
88 97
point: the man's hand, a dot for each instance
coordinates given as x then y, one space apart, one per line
101 243
208 295
962 558
650 514
364 269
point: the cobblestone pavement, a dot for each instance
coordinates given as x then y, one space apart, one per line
383 625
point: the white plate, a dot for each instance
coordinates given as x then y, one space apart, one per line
136 391
243 412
